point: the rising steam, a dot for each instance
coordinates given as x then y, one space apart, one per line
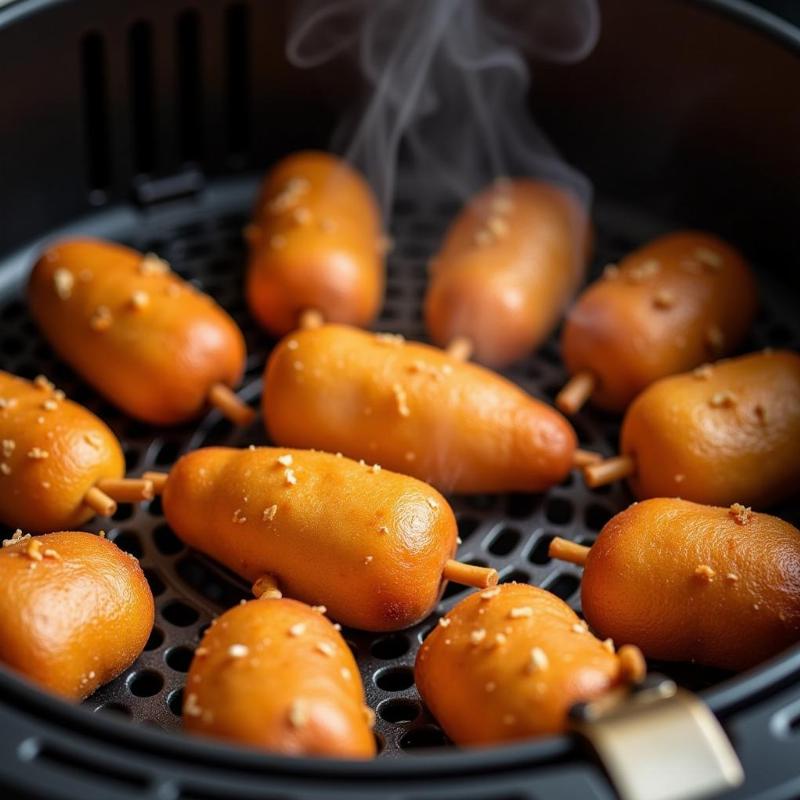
447 86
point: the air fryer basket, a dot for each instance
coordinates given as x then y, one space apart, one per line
151 127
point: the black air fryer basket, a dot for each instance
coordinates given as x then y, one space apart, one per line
150 122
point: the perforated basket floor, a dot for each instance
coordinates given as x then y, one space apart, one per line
203 243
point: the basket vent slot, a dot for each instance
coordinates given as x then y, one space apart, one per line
142 99
95 112
237 56
89 768
190 92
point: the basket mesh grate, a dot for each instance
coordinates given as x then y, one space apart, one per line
508 532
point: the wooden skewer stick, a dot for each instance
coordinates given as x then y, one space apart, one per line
608 471
310 318
469 575
460 348
582 458
632 665
576 392
565 550
230 405
158 479
267 587
100 502
126 490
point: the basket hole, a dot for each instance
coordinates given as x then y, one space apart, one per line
146 683
394 679
558 511
206 580
540 553
467 526
423 738
392 646
155 508
117 709
179 658
157 586
515 576
505 541
521 506
129 542
175 702
132 456
167 453
124 511
178 613
564 585
399 710
166 541
155 639
596 516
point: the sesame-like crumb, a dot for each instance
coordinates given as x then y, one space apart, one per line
488 594
320 609
190 706
705 572
444 621
9 445
345 673
34 550
368 560
520 612
376 468
500 639
139 300
50 552
477 636
5 469
201 651
38 454
538 660
93 439
580 627
290 477
238 517
50 405
101 319
285 460
42 383
326 648
337 626
16 537
392 339
664 299
269 513
402 400
292 344
703 372
8 402
63 282
298 714
298 629
383 529
238 650
732 577
608 644
151 264
709 258
741 514
724 399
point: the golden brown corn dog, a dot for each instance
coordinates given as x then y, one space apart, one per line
315 244
75 611
373 546
59 463
687 582
414 409
682 299
277 675
509 663
723 433
147 340
508 266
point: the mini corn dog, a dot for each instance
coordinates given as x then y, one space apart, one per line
508 266
510 662
373 546
75 611
315 245
59 463
277 675
723 433
683 299
413 409
147 340
687 582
